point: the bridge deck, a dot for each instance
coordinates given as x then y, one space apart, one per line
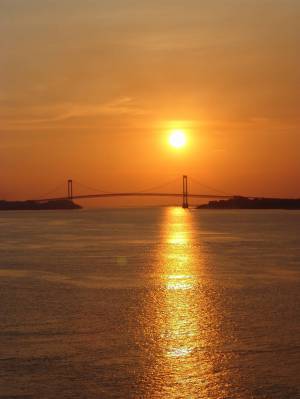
134 194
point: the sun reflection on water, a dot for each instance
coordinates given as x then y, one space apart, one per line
179 279
178 352
179 282
182 317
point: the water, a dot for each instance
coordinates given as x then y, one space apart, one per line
150 303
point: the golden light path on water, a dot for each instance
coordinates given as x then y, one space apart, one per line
179 279
180 365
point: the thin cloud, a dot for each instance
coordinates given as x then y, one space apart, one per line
41 115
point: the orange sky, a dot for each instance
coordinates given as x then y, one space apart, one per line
88 90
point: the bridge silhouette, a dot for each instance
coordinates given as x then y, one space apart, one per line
185 195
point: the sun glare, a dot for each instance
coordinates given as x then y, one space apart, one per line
177 138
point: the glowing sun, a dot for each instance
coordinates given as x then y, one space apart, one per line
177 138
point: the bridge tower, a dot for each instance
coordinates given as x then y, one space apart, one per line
70 189
185 202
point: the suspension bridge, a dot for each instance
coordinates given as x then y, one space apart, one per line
184 194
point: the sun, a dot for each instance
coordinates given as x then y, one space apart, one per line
177 138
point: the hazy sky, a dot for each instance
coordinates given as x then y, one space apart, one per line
89 89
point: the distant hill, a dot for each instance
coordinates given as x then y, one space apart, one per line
255 203
37 206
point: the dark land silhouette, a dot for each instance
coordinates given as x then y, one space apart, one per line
253 203
37 205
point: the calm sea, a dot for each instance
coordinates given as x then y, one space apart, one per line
150 303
